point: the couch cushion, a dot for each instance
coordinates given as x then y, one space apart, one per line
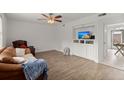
27 51
18 43
9 51
9 60
19 60
2 49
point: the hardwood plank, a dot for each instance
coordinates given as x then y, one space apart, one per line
76 68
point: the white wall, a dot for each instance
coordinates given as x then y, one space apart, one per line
42 37
108 38
66 32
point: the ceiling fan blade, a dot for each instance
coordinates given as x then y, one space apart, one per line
58 20
45 15
59 16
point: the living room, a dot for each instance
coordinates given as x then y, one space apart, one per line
50 41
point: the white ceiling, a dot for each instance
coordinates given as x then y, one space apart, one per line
32 17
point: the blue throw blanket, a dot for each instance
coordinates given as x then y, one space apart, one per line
33 70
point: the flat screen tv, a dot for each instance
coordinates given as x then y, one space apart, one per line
84 34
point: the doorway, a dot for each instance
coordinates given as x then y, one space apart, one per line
113 34
116 38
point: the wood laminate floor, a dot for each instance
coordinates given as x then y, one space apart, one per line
76 68
116 61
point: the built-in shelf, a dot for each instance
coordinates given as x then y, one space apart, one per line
84 41
83 28
86 46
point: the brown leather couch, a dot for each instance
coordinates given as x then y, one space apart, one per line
11 71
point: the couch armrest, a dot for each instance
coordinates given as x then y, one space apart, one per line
10 67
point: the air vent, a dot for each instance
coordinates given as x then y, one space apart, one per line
103 14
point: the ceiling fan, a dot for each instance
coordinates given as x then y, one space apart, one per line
51 18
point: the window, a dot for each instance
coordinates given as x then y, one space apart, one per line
116 37
1 31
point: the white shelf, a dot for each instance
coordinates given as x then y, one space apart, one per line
84 41
84 49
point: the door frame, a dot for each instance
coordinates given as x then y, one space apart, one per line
104 40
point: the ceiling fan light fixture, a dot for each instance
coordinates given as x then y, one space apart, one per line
51 18
51 21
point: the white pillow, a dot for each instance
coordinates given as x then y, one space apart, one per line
19 60
30 57
20 52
